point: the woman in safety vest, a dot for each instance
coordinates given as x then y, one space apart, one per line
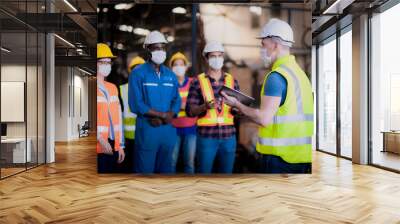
185 126
110 139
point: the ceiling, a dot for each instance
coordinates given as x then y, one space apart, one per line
325 21
72 20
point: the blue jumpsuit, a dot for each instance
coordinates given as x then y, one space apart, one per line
148 90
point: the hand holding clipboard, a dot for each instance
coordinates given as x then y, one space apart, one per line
241 97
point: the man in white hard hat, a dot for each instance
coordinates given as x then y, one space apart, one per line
154 97
286 113
216 134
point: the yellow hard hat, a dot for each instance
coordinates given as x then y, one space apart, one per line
135 61
176 56
104 51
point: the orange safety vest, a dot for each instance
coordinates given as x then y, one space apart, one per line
214 117
107 108
182 119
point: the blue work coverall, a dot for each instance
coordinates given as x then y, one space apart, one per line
149 90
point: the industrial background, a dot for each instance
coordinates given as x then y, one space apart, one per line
124 26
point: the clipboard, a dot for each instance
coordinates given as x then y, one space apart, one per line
243 98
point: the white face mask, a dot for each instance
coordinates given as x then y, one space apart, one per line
179 70
216 63
158 57
265 58
104 70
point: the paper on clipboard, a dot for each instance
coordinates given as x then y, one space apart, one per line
243 98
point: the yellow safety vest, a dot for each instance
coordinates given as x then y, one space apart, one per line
289 135
183 93
213 117
128 117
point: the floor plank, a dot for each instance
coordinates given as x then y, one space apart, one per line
70 191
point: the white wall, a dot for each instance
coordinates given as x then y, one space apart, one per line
80 100
12 73
71 93
61 103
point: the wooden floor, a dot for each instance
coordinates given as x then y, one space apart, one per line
386 159
5 172
70 191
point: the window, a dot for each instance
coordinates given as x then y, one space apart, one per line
327 96
22 77
346 93
385 89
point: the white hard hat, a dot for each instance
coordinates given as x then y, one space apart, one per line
278 28
213 46
154 37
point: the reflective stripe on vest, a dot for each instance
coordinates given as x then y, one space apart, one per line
293 118
109 115
214 117
284 141
130 127
129 118
290 133
101 129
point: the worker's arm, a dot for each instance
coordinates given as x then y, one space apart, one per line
121 152
235 111
195 105
196 110
135 94
136 98
264 115
176 98
274 90
121 126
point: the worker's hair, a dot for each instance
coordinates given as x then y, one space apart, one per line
206 54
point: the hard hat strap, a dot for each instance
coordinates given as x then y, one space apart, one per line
280 40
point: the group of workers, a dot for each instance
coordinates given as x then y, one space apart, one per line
165 113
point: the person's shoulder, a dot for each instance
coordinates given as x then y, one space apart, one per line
140 69
168 71
227 74
111 86
276 76
198 76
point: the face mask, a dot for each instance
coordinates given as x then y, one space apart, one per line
158 57
265 58
179 70
104 70
216 63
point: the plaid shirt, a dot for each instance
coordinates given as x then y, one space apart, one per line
195 97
